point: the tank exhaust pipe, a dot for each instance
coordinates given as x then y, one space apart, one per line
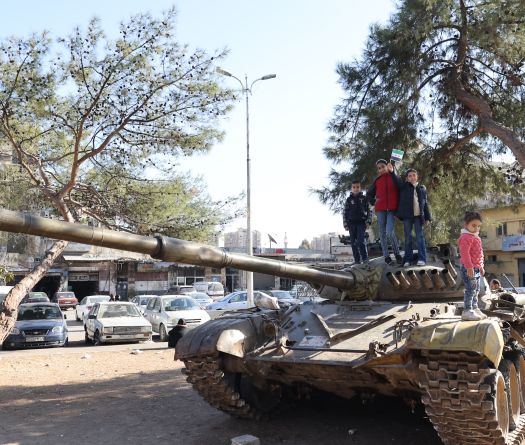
451 269
425 278
448 279
439 283
393 280
405 284
414 279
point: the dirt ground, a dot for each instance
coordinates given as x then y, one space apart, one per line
115 397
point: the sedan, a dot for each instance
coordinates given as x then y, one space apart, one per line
233 301
36 297
141 301
165 311
65 299
202 298
37 325
116 322
284 298
86 304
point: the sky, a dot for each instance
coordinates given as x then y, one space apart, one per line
301 41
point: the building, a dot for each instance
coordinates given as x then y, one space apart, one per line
503 234
238 239
322 243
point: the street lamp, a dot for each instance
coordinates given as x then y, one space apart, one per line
247 91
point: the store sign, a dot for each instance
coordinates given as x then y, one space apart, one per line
513 243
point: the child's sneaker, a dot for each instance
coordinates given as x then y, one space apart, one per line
470 315
388 260
481 314
407 264
399 259
421 263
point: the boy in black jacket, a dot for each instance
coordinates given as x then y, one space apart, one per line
413 210
356 218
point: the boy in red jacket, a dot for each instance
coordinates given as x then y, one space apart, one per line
472 267
384 195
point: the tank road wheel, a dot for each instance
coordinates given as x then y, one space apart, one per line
229 392
466 401
512 388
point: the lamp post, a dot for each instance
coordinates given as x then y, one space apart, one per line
247 91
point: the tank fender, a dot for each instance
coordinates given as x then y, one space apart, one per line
483 337
231 335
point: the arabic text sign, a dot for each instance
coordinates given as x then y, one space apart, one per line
513 243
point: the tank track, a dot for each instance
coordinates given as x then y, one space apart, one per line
209 380
458 400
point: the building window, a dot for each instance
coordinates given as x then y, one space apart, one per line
492 258
501 230
522 227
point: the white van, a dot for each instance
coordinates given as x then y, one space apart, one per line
214 289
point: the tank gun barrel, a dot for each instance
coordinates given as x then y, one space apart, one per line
168 249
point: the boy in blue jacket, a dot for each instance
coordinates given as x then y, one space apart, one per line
356 218
414 211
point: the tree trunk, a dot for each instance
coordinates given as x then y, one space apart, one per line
9 308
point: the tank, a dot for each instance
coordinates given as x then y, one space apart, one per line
380 330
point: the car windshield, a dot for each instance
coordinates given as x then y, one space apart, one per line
39 313
282 294
99 299
179 304
144 301
200 296
117 310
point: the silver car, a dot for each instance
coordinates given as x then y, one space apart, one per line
116 321
165 311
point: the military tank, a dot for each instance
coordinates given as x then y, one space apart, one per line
394 331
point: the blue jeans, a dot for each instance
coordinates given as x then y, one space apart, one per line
385 220
472 286
357 238
415 222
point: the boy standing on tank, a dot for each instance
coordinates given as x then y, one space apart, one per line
413 210
356 219
472 265
384 195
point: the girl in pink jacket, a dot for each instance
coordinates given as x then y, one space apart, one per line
472 268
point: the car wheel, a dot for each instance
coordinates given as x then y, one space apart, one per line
162 333
5 347
87 340
66 343
76 316
96 339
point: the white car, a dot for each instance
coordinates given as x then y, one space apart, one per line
202 298
214 289
165 311
141 301
233 301
116 321
86 304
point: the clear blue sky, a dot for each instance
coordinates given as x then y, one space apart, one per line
299 40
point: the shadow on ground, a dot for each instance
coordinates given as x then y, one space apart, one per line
161 408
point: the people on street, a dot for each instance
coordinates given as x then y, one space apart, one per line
384 195
175 334
414 211
356 219
472 266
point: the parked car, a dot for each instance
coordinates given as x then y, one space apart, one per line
214 289
202 298
284 298
35 297
65 299
165 311
141 301
180 290
115 322
233 301
86 304
37 325
4 290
